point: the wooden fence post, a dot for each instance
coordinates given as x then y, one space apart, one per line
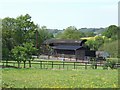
74 65
52 64
86 65
67 67
6 62
47 65
41 64
63 65
44 65
14 64
59 66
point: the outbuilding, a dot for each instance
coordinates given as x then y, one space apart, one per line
69 48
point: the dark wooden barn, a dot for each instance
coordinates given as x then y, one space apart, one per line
69 48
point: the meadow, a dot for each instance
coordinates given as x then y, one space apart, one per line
54 78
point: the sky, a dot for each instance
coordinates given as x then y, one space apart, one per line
60 14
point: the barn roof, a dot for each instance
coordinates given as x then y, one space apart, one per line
53 41
63 47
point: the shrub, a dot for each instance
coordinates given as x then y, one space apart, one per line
111 62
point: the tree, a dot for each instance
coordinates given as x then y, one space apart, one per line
25 28
111 32
94 44
29 51
16 31
111 48
18 54
99 41
8 42
91 44
24 53
89 34
42 35
70 33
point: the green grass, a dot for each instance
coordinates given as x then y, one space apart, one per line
41 78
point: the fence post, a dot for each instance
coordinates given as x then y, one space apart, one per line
63 65
6 62
44 65
85 65
47 65
74 65
41 64
14 64
59 66
67 67
95 64
52 64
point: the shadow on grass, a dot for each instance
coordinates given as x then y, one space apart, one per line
7 66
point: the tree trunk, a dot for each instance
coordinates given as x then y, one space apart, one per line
18 64
95 66
29 64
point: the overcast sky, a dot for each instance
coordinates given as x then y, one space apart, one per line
59 14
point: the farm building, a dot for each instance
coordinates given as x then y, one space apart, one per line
69 48
102 55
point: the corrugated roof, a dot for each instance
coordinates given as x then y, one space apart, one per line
61 47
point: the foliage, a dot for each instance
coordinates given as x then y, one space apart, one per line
91 44
110 63
104 42
96 42
23 53
43 34
99 41
89 34
16 31
111 32
8 25
93 30
93 63
111 48
70 33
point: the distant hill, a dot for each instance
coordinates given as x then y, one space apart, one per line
94 30
55 31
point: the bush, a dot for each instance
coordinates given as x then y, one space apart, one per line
111 62
93 63
111 48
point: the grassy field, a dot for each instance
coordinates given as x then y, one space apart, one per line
91 38
41 78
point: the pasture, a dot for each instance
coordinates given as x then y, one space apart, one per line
54 78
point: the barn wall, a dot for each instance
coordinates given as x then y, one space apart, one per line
90 53
66 44
80 54
69 52
65 53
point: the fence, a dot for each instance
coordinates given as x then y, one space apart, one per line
42 64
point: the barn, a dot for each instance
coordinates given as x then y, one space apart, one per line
69 48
